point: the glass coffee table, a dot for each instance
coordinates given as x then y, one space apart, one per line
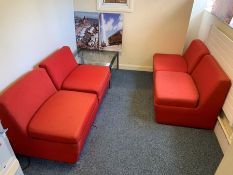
98 57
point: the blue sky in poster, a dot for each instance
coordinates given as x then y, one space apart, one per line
110 23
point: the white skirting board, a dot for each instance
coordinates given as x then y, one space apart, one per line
224 144
136 67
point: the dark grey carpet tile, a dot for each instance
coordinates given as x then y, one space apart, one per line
125 140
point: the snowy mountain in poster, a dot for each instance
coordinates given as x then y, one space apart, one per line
99 30
87 30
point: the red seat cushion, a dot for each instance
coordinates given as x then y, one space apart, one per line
88 78
21 101
59 65
169 62
196 50
175 89
63 117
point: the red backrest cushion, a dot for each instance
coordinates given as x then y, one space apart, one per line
20 102
212 83
59 65
196 50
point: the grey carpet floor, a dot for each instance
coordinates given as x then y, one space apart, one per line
125 140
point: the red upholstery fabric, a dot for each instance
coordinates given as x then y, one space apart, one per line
25 145
32 96
63 117
185 63
24 98
175 89
87 128
66 74
213 85
169 62
59 65
194 53
88 78
188 117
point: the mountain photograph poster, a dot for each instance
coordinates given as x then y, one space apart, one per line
111 29
87 30
101 31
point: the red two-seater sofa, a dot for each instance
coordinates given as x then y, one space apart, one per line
189 90
50 111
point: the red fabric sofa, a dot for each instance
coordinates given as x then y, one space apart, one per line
185 63
192 100
68 75
46 121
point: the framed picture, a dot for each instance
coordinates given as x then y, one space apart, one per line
115 5
111 30
87 29
99 31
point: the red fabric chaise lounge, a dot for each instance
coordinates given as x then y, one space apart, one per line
192 100
44 122
67 74
50 110
181 63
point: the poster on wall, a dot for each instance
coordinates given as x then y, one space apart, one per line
87 29
111 29
223 9
102 31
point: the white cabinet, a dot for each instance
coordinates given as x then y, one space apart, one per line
9 165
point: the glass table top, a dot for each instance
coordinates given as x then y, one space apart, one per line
96 57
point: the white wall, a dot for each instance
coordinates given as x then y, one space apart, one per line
195 20
29 31
208 20
153 26
201 21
